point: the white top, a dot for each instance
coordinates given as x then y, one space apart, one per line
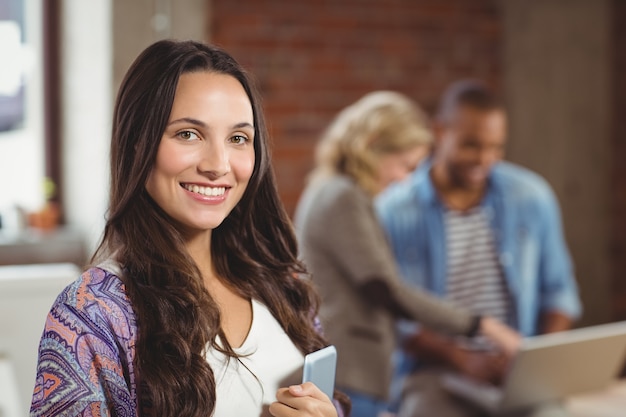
269 357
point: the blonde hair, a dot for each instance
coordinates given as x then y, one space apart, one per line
379 123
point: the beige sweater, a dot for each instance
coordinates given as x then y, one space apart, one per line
344 246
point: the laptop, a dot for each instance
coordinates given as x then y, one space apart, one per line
549 368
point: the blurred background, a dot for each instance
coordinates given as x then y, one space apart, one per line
560 64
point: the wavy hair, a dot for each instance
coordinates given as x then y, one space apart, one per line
254 249
380 122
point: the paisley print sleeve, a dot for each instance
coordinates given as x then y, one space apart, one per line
83 366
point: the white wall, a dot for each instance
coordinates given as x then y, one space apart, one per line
86 59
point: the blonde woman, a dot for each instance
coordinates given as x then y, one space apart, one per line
372 143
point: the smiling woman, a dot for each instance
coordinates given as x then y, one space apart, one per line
191 307
206 155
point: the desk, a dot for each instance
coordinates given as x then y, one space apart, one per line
610 402
38 247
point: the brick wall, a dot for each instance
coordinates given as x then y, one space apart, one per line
618 184
312 58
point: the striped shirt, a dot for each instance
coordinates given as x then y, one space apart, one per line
475 280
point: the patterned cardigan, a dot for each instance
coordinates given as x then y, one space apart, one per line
86 364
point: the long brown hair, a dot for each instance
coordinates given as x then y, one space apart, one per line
254 249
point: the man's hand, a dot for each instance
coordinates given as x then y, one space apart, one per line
481 365
434 348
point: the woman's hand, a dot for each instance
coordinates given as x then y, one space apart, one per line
507 339
304 400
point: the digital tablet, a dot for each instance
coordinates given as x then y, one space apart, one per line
319 368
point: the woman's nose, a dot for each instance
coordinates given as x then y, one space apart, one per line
215 161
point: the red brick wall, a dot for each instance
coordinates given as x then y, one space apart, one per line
619 152
312 58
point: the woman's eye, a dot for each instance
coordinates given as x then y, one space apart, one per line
238 139
187 135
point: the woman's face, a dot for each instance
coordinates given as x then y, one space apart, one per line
206 154
396 166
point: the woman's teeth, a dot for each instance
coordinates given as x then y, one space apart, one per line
208 191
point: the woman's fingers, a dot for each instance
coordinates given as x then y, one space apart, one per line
507 339
308 389
304 400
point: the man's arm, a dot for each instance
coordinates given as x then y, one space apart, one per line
554 321
560 302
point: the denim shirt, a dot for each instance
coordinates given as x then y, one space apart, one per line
526 223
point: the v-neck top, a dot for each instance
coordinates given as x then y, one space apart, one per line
92 322
268 360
